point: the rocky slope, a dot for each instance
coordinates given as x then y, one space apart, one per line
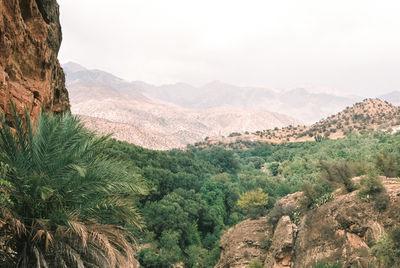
112 105
30 74
342 230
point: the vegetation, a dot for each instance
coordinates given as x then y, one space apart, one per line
387 164
70 197
63 203
256 263
324 265
254 203
387 249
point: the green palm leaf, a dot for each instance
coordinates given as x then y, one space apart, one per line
67 199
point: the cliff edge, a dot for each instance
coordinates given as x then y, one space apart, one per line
30 74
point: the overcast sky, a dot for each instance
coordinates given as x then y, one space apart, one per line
351 46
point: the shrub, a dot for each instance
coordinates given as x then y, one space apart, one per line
381 200
338 172
387 164
254 203
266 242
280 210
325 265
373 189
296 217
256 263
370 185
395 236
314 195
386 253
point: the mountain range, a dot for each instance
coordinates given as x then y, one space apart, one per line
174 115
109 104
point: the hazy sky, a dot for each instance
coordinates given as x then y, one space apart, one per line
351 46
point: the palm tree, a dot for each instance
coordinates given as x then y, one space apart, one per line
63 203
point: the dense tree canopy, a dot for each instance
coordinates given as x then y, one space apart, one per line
62 177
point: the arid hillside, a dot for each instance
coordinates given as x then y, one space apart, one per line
112 105
371 114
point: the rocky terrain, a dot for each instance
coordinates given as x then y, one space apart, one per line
112 105
371 114
30 74
342 230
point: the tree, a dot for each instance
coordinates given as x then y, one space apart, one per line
387 164
254 203
338 172
67 202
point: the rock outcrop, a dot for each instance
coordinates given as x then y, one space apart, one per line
30 74
281 250
342 230
244 242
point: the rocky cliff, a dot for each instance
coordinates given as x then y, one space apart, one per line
30 74
340 231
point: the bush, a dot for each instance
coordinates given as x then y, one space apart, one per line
254 203
395 236
314 195
324 265
280 210
386 253
373 189
256 263
387 164
370 185
149 259
338 172
266 242
381 200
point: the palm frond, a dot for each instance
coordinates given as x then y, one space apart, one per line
63 192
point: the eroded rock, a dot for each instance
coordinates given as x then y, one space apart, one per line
245 242
281 250
30 74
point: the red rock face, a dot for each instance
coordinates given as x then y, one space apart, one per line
30 74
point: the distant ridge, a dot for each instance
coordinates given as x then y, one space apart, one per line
370 114
392 97
307 106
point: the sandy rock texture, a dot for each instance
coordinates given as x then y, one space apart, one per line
30 74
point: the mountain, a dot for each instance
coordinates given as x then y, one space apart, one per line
392 97
110 104
304 102
308 107
370 114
